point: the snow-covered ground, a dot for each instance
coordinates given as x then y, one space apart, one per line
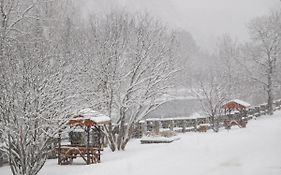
252 150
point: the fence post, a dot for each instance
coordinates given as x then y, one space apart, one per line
194 124
274 105
184 123
157 127
143 128
149 126
258 111
171 125
277 104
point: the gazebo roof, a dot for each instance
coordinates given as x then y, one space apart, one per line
236 104
89 117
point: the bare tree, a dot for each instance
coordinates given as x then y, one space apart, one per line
34 90
129 70
11 14
264 53
212 94
228 51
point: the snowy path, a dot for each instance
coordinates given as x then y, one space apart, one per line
252 150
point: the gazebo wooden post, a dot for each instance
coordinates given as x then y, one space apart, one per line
88 144
229 112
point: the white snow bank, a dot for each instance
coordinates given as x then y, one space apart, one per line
158 139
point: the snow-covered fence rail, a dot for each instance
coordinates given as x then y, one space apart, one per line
262 109
179 124
187 124
277 105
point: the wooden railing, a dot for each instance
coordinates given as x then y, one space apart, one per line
188 124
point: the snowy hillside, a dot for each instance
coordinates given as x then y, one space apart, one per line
253 150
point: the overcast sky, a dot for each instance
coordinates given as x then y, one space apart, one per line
204 19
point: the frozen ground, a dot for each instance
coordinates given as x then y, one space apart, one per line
252 150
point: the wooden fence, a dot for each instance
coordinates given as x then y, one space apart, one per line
188 124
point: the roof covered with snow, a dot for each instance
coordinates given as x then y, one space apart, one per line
230 105
243 103
94 116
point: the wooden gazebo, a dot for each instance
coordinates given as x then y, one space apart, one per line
238 106
89 122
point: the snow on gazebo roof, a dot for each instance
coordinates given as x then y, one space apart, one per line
89 117
237 101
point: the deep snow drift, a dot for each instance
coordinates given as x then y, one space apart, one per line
252 150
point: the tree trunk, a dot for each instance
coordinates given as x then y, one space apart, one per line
270 102
129 135
122 129
111 138
124 144
270 90
214 123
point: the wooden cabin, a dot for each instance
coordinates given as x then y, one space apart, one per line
85 136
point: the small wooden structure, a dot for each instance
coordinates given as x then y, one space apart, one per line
232 106
87 120
240 123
